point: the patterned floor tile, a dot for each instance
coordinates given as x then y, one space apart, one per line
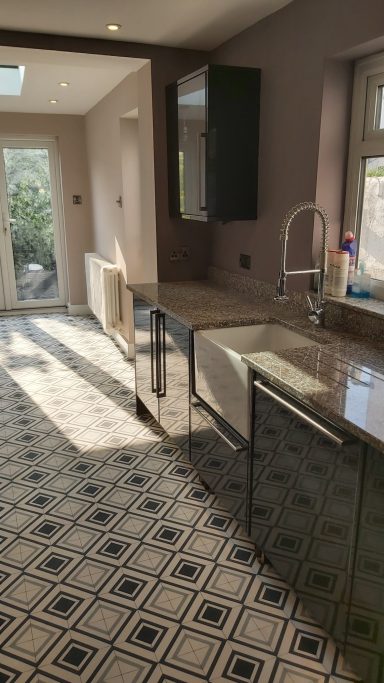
240 664
120 667
32 640
117 565
193 652
169 600
213 615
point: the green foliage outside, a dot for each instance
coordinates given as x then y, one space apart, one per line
376 172
29 199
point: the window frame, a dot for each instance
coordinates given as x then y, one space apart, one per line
365 141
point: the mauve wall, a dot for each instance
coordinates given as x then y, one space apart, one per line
291 47
120 160
167 65
70 134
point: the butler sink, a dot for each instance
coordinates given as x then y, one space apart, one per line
221 377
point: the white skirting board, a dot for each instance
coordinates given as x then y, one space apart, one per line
79 309
123 343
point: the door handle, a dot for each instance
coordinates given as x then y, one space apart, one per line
198 408
332 433
201 170
11 222
162 356
152 314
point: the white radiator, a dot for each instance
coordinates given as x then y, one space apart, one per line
103 291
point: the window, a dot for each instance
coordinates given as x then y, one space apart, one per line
365 182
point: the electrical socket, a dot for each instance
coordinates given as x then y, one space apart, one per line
180 254
245 261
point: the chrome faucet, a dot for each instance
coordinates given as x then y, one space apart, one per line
316 308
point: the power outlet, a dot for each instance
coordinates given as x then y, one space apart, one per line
174 255
184 254
245 261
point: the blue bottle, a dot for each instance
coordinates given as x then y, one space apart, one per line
350 246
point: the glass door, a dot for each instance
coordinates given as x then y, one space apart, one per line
192 115
31 242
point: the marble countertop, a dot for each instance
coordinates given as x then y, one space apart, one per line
342 377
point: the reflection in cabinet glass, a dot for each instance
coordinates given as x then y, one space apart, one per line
191 100
162 370
304 503
220 458
365 634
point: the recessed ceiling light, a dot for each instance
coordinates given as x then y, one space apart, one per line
53 101
64 84
113 27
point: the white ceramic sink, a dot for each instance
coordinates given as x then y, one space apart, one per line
221 377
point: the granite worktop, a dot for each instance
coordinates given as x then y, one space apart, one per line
342 377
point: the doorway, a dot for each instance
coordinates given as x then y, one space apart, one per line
32 254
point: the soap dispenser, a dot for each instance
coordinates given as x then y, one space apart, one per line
361 287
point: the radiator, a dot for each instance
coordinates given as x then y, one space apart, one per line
102 290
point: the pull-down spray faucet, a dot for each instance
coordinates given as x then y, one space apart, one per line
316 308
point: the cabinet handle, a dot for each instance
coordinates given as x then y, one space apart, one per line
157 355
200 410
152 314
338 437
201 168
162 356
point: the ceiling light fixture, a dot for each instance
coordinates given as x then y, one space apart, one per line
64 84
113 27
53 101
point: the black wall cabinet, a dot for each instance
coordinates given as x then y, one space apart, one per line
213 134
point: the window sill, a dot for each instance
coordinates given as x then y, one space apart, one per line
371 306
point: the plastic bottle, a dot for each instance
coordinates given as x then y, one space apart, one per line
349 245
361 287
340 263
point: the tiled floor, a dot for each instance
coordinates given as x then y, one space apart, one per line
115 565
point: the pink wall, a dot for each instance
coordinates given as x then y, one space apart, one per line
291 47
70 134
167 65
120 160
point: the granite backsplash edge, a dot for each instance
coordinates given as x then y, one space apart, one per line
341 316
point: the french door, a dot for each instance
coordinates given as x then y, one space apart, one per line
32 255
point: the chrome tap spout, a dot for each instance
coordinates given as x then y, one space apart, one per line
316 312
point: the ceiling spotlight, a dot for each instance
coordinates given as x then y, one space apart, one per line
53 101
113 27
64 84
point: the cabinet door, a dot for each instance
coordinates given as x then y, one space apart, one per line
145 355
192 129
304 489
221 460
365 634
174 379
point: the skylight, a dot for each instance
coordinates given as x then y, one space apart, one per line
11 79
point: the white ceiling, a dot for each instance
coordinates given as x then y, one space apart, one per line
90 78
197 24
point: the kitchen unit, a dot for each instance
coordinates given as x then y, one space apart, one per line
213 125
304 479
162 370
313 473
220 456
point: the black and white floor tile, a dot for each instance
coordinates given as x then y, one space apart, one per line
116 564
